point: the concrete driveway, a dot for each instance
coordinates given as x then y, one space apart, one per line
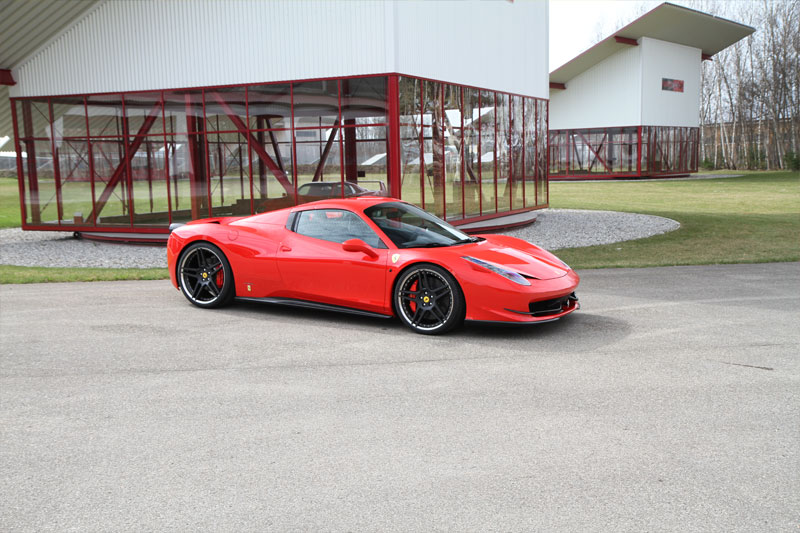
671 401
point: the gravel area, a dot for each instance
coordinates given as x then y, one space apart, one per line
58 249
553 229
573 228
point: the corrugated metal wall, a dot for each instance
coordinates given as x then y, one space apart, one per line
491 44
149 44
607 95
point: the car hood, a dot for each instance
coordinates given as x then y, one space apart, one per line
516 254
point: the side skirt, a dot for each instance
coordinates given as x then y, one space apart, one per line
291 302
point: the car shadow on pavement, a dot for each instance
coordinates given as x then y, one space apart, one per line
587 330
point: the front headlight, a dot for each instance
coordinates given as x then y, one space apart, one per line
510 275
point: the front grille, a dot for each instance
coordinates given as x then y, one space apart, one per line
550 307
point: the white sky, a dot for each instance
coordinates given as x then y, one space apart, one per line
575 24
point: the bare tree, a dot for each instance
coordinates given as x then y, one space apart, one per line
750 100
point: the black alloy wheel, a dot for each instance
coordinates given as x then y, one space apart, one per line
428 300
205 276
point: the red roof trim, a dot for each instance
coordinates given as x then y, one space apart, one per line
6 78
625 40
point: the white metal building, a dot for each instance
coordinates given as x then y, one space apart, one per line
136 114
629 106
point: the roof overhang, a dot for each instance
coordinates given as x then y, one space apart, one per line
26 27
667 22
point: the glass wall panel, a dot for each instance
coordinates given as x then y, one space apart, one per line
532 141
198 162
149 181
105 115
318 163
517 152
69 117
503 152
313 147
110 183
143 113
543 192
226 109
411 178
453 179
488 153
180 183
272 169
43 205
33 123
434 151
316 104
270 106
153 157
365 159
645 145
364 100
229 181
471 157
76 183
183 111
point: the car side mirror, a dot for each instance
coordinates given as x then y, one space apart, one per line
357 245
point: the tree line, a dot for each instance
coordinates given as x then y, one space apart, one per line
750 95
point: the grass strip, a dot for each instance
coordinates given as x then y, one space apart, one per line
19 274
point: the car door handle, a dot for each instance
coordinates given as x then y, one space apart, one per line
285 248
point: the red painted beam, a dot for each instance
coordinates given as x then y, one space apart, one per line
554 85
625 40
6 78
393 134
596 155
258 147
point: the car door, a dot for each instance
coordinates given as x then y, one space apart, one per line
314 266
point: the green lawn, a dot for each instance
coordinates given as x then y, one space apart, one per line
750 219
9 203
17 274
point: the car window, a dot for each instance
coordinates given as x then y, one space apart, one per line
335 225
410 227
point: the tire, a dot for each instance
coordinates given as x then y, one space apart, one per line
428 300
205 276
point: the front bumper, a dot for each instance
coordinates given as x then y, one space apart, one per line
543 301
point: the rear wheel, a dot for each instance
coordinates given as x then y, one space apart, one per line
205 276
428 300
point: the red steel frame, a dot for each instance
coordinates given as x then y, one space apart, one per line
684 163
123 175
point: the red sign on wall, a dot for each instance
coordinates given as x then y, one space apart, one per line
672 85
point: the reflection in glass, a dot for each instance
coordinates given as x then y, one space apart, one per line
316 104
410 119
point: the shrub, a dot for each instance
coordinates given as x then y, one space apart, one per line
792 161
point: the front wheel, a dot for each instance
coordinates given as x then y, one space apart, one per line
428 300
205 276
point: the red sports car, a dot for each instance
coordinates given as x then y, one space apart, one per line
371 256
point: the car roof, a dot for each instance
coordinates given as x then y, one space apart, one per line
356 202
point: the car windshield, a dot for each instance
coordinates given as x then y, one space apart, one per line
410 227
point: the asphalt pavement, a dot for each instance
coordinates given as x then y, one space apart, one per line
669 402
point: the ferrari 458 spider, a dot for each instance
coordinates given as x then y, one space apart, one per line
372 256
